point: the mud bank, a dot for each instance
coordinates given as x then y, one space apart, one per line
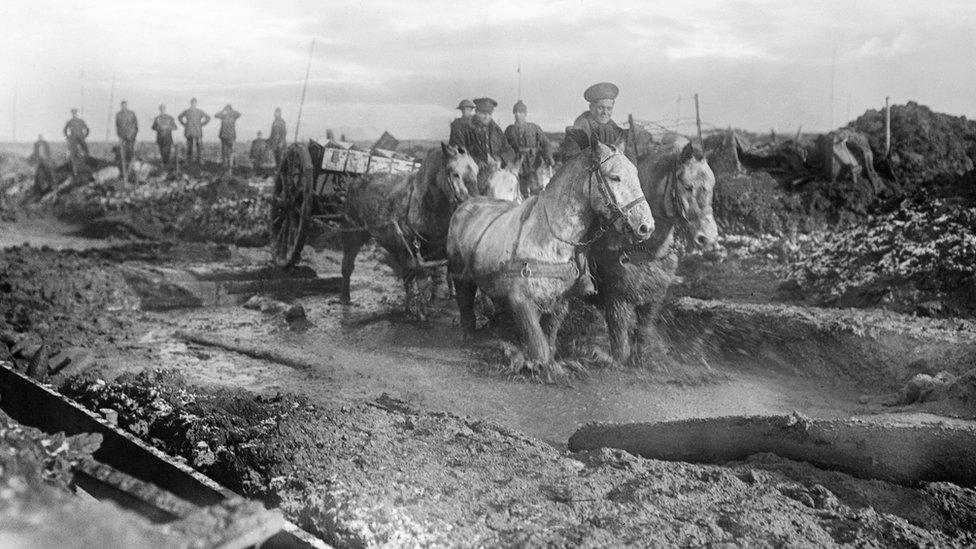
903 452
382 472
875 349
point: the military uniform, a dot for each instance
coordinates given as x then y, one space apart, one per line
484 140
164 125
44 173
608 134
259 152
228 133
126 127
459 123
193 120
528 139
277 139
76 131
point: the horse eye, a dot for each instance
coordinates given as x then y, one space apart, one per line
614 178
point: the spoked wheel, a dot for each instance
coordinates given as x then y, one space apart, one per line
291 205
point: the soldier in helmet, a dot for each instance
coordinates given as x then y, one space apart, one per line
528 140
484 139
467 112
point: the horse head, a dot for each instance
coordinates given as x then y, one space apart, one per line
619 198
503 182
687 196
538 175
458 178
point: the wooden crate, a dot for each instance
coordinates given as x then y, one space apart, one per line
335 160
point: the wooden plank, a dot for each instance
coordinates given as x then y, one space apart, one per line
889 450
40 406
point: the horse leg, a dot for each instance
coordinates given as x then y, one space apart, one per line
352 241
648 345
464 293
553 321
621 319
527 318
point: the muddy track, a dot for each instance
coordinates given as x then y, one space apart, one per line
289 413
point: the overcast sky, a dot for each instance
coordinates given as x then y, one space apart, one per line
403 66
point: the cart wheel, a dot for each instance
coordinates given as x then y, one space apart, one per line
291 206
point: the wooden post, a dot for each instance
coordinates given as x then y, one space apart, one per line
698 121
111 99
631 135
887 126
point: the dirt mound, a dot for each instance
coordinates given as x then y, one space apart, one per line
383 473
920 258
924 144
206 208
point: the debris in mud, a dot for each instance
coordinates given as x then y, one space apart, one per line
209 208
52 300
919 258
380 474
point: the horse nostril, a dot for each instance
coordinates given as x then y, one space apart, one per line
643 229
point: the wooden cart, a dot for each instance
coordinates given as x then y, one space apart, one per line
310 187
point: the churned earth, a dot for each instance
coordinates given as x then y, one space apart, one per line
289 410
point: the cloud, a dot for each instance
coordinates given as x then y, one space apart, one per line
403 65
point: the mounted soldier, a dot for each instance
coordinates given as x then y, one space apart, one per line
466 107
484 140
598 119
529 142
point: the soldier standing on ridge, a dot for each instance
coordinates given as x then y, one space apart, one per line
76 131
277 139
164 125
466 107
193 120
228 133
259 152
126 127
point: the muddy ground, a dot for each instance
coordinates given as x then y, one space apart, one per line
458 453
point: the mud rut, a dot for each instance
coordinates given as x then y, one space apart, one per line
345 355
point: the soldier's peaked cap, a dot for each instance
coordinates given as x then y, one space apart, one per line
465 104
520 107
598 92
485 104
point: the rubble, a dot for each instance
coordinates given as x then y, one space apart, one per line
385 473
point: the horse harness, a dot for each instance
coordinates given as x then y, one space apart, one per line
575 267
674 207
417 260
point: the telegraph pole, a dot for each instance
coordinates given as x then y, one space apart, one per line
887 126
301 105
111 100
519 71
13 117
698 121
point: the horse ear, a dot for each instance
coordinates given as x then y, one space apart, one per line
621 144
580 137
686 153
448 150
600 151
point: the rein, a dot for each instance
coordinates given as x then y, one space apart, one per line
528 268
674 208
